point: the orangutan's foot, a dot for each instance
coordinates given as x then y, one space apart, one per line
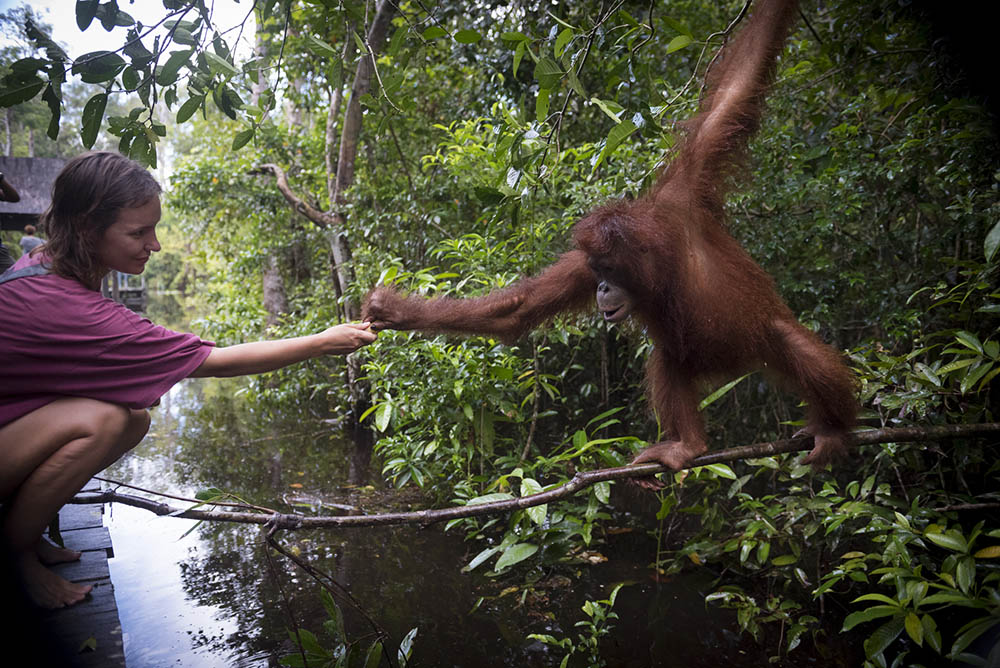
675 455
45 588
827 448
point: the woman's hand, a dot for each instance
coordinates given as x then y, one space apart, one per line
348 337
249 358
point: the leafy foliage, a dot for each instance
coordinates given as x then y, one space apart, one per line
873 202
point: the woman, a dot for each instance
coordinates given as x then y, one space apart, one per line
78 371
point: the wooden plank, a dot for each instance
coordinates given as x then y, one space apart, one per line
86 635
80 516
91 630
93 565
89 540
89 633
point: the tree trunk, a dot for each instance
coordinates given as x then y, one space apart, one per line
275 298
349 138
8 143
334 222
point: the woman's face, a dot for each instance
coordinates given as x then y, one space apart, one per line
128 243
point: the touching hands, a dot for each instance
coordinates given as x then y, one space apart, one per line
348 337
382 308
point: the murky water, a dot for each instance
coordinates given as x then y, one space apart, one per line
205 595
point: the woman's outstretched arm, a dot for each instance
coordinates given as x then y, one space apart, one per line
250 358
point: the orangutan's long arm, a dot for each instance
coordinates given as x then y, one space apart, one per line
566 285
715 147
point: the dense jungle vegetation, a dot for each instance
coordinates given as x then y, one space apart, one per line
486 131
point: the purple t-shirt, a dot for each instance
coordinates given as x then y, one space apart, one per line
59 339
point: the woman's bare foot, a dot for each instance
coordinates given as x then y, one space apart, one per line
50 553
45 588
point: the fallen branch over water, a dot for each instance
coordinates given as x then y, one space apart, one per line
578 482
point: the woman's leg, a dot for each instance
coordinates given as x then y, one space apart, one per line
45 458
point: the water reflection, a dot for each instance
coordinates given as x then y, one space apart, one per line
204 596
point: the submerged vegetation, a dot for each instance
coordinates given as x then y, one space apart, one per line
487 131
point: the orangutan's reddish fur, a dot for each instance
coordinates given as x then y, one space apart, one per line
710 310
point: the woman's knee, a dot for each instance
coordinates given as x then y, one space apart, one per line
93 429
136 427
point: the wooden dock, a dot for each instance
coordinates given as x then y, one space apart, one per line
88 634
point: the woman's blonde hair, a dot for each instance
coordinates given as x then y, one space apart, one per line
89 193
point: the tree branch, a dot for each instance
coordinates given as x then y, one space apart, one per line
579 482
300 206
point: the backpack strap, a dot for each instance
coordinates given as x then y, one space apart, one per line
24 272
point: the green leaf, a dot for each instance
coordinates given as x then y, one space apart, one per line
719 393
93 114
883 637
965 574
55 111
678 43
406 648
948 541
971 631
467 36
618 134
602 491
956 599
514 37
867 615
189 107
519 54
17 90
130 78
374 657
542 104
548 73
914 629
721 470
969 340
678 26
881 598
974 376
992 242
382 416
434 32
784 560
86 10
219 65
98 66
239 141
480 558
991 552
489 498
336 630
167 73
530 486
610 108
562 40
321 48
931 634
182 36
514 554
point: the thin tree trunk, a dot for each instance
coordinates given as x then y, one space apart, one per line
350 135
275 297
8 142
334 221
